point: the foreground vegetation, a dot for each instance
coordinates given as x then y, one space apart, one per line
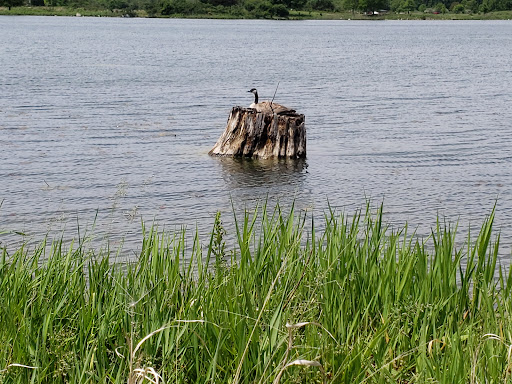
357 303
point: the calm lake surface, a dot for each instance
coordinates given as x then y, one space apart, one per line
109 120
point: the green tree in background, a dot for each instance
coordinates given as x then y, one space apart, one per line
353 5
182 7
408 6
440 7
225 3
280 10
471 5
264 9
11 3
320 5
117 4
152 7
503 5
457 8
55 3
371 5
484 7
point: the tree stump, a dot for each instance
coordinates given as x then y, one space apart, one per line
264 135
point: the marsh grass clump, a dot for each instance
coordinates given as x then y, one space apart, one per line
356 303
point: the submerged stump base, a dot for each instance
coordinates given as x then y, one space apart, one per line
256 134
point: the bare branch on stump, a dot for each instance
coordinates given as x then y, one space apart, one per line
255 134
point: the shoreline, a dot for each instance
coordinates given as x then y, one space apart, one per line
294 15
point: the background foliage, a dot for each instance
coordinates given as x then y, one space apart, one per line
268 8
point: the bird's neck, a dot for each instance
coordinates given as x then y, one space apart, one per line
255 97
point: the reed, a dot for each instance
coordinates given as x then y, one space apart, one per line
356 303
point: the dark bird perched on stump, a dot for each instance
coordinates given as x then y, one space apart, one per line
265 130
269 107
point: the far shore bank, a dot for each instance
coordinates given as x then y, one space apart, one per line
293 15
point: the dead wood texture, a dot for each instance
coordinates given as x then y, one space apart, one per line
255 134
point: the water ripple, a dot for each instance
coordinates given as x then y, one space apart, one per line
107 122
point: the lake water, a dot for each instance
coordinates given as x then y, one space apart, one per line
109 120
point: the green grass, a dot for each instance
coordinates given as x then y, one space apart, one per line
356 303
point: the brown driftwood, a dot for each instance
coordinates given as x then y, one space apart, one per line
256 134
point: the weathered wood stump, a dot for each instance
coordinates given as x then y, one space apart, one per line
256 134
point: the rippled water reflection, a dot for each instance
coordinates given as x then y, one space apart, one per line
108 121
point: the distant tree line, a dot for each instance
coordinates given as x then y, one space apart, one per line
437 6
238 8
444 6
271 8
